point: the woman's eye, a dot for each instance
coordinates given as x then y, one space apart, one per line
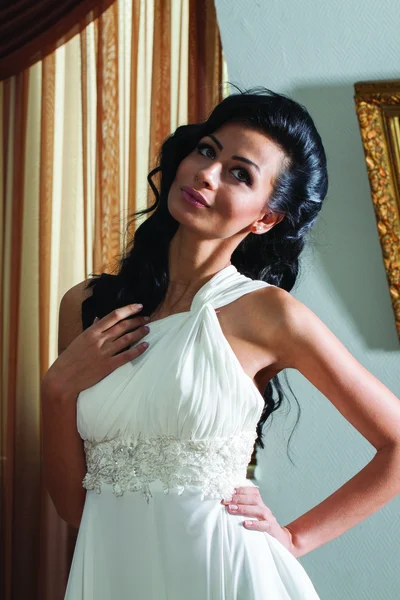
206 147
247 178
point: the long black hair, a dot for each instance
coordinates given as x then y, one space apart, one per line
273 257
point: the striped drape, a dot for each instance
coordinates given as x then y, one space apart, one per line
79 131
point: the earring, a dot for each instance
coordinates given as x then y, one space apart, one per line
259 227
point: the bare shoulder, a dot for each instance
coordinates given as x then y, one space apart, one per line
299 337
305 343
282 324
69 321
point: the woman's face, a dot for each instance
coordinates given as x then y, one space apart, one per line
234 169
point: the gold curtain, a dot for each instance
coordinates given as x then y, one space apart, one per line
79 131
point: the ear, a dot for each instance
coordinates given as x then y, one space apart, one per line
272 219
268 221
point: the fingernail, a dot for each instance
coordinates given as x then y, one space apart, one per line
232 507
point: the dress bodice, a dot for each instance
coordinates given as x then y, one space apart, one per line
184 411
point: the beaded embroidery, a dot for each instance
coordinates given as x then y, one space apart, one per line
217 465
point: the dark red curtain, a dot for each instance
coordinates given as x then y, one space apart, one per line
32 29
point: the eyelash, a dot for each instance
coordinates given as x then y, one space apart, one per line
249 180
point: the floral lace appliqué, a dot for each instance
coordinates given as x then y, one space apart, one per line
216 465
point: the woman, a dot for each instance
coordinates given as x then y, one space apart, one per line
168 431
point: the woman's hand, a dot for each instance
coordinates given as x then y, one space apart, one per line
99 350
250 504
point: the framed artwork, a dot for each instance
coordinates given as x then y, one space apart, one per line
378 112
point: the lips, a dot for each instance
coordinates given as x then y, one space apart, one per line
196 195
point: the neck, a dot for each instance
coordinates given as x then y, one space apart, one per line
190 267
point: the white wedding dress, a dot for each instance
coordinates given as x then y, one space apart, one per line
167 436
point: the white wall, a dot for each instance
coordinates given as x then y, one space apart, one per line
315 51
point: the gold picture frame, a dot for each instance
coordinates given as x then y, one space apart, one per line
378 112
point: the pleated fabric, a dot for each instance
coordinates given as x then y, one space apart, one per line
167 436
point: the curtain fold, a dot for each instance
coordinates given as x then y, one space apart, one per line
79 132
29 31
205 60
107 206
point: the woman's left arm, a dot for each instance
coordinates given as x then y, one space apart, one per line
307 345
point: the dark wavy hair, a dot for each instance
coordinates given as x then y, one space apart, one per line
272 257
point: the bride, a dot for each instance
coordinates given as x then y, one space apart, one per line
145 448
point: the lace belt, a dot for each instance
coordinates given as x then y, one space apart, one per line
216 465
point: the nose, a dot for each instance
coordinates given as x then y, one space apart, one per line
208 176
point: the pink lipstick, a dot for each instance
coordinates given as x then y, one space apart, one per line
193 197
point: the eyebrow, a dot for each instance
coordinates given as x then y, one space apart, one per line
246 160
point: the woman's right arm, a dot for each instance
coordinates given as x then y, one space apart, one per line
63 454
85 358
